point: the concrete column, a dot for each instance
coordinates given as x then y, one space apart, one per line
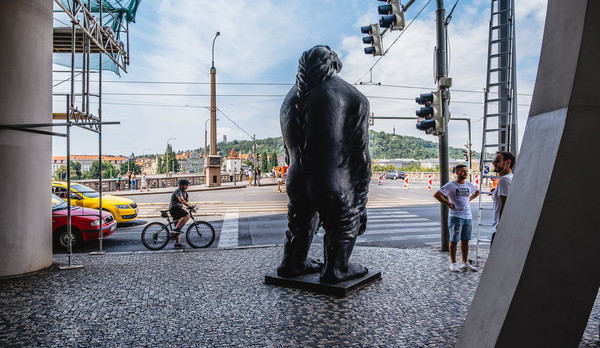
542 275
25 170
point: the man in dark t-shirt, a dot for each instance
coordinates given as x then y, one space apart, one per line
179 198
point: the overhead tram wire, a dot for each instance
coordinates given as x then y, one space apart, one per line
276 84
237 125
399 36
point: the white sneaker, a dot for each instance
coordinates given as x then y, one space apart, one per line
468 267
453 267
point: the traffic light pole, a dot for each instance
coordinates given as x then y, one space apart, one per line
442 72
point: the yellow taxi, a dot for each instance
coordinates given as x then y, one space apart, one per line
123 209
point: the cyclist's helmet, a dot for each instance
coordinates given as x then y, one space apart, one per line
184 182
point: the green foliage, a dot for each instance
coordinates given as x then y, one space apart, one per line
171 158
108 170
385 145
61 172
273 160
265 167
268 145
381 145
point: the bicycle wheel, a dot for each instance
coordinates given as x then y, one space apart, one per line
200 234
155 236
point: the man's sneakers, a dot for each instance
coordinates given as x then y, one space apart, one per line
468 267
179 246
453 267
464 266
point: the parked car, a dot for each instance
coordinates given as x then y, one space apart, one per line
84 224
123 209
394 174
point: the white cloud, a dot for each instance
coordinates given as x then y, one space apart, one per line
262 42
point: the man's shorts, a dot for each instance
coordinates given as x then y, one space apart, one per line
177 212
459 228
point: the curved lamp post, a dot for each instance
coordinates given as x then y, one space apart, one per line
213 171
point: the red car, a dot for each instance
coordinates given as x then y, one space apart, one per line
84 224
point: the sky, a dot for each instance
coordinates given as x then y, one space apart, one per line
165 92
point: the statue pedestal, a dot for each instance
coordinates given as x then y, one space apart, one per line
213 171
311 282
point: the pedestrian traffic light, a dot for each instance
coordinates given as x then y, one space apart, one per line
430 115
393 16
371 119
374 39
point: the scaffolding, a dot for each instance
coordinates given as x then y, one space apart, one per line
500 104
96 40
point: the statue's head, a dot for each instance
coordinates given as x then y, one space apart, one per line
321 60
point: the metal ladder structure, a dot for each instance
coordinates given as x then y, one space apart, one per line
500 104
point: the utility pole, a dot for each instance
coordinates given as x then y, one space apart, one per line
443 86
213 170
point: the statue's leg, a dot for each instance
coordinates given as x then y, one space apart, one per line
303 222
341 229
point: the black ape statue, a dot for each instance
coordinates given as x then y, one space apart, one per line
324 122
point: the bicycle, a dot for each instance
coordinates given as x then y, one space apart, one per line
200 234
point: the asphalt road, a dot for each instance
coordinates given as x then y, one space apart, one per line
252 216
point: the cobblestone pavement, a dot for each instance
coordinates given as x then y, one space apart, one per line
216 298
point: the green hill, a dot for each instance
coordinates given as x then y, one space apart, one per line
381 145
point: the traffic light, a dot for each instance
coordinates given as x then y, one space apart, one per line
371 119
393 16
430 115
466 154
374 39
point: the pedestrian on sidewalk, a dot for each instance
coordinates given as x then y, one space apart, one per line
129 179
258 175
250 176
503 163
279 181
457 195
133 181
119 178
144 183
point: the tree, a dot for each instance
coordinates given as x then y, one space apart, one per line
61 172
108 170
273 160
265 168
170 156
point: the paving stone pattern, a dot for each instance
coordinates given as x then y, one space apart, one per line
216 298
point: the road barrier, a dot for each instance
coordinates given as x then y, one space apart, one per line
406 182
476 181
429 182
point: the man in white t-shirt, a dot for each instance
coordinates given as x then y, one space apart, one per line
457 195
503 165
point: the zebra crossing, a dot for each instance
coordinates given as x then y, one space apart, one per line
384 225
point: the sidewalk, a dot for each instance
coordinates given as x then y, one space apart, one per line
216 298
192 188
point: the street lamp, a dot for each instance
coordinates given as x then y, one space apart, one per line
205 144
167 164
213 170
213 50
213 101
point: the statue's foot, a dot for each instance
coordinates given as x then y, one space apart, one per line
334 275
310 266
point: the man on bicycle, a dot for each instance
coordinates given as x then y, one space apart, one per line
179 198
